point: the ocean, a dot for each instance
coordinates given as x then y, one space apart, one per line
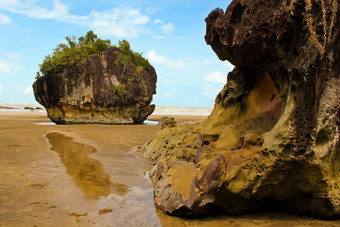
160 110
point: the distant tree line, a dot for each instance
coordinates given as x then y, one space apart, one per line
76 50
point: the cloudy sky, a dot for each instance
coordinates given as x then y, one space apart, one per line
169 33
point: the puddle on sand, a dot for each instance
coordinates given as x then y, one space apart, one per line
87 173
45 123
148 122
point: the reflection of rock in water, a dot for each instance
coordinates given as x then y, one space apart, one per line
87 173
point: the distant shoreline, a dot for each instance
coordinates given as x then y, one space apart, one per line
160 110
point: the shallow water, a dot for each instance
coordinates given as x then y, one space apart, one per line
148 122
45 123
114 181
133 205
87 173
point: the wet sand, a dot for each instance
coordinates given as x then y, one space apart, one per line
91 175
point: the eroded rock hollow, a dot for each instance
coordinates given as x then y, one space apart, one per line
98 90
272 139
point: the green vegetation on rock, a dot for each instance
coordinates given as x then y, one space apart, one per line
125 57
76 50
128 55
73 51
119 89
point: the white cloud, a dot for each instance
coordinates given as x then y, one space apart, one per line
217 76
167 28
210 90
151 10
4 19
155 58
13 56
172 88
28 90
192 99
9 2
168 83
59 12
207 61
227 65
123 21
158 21
19 89
214 83
9 67
168 94
120 22
159 37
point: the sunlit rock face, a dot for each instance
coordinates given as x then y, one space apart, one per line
98 90
272 139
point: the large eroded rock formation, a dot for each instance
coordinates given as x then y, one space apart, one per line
98 90
272 140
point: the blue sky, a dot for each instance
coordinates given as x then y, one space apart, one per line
169 33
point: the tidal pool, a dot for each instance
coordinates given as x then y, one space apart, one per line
87 173
45 123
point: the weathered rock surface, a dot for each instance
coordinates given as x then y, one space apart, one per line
272 140
167 122
85 91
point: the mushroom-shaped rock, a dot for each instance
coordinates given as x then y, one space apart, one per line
98 89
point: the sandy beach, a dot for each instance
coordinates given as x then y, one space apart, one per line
91 175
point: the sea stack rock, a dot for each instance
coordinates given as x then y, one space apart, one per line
272 139
98 90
